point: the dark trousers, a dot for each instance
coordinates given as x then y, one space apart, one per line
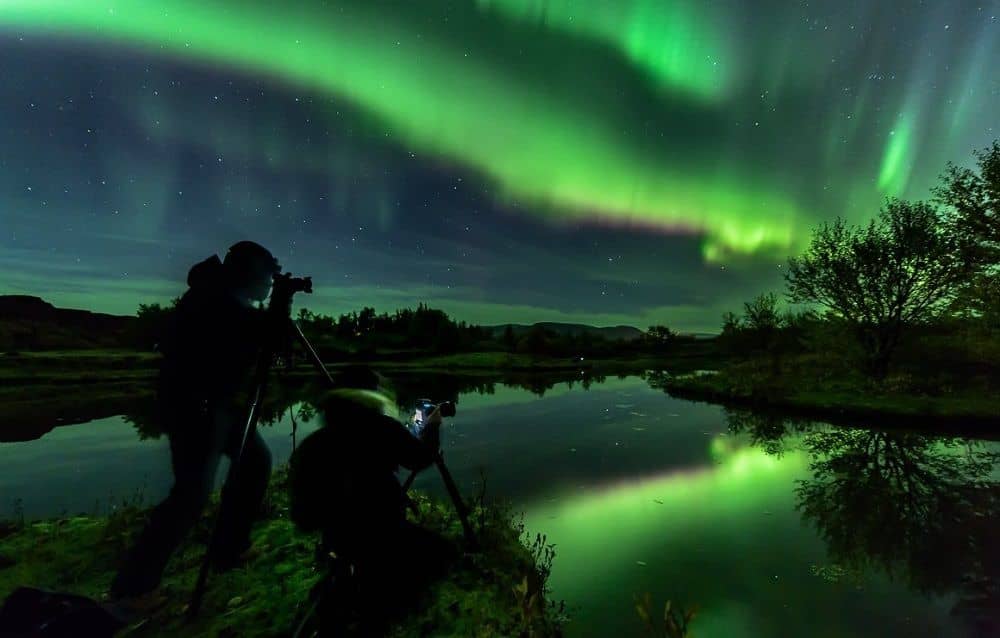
195 454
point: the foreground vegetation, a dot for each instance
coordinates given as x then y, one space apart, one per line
499 591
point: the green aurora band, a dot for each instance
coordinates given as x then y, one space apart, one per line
677 43
896 162
431 96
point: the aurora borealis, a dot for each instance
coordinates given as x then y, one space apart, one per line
505 160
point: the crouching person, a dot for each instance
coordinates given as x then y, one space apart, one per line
344 483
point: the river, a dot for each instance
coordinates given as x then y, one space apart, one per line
769 527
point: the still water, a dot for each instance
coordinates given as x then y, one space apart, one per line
770 528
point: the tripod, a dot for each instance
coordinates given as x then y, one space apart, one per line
282 328
456 498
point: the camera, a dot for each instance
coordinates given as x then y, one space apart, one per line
287 285
423 409
284 286
426 406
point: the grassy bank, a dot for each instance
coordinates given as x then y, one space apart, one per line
809 386
497 592
85 367
58 387
43 390
492 362
62 386
76 367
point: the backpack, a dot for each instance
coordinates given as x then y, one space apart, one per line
35 613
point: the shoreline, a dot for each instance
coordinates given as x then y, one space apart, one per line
943 415
65 387
44 390
87 366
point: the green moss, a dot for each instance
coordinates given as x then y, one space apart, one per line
481 598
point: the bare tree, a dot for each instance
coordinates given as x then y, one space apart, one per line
897 270
761 313
975 198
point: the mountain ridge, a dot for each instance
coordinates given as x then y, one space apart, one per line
30 322
611 333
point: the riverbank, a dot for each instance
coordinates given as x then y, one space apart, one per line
81 367
804 387
41 390
498 591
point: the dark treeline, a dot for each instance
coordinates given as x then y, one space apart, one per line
424 329
427 330
910 299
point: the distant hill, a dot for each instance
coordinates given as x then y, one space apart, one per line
31 323
611 333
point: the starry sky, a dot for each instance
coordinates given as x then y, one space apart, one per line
636 162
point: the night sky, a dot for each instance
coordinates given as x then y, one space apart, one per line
505 160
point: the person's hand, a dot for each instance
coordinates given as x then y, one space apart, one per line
434 418
430 433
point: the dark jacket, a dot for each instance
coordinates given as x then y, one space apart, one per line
344 476
210 346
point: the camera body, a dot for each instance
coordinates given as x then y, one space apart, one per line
426 406
423 409
285 285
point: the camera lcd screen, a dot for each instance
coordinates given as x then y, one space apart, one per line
420 413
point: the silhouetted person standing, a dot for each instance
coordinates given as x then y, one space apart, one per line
209 353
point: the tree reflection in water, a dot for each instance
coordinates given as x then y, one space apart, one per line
407 387
769 432
921 509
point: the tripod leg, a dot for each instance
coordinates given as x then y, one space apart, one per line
263 367
409 481
412 506
456 499
311 353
